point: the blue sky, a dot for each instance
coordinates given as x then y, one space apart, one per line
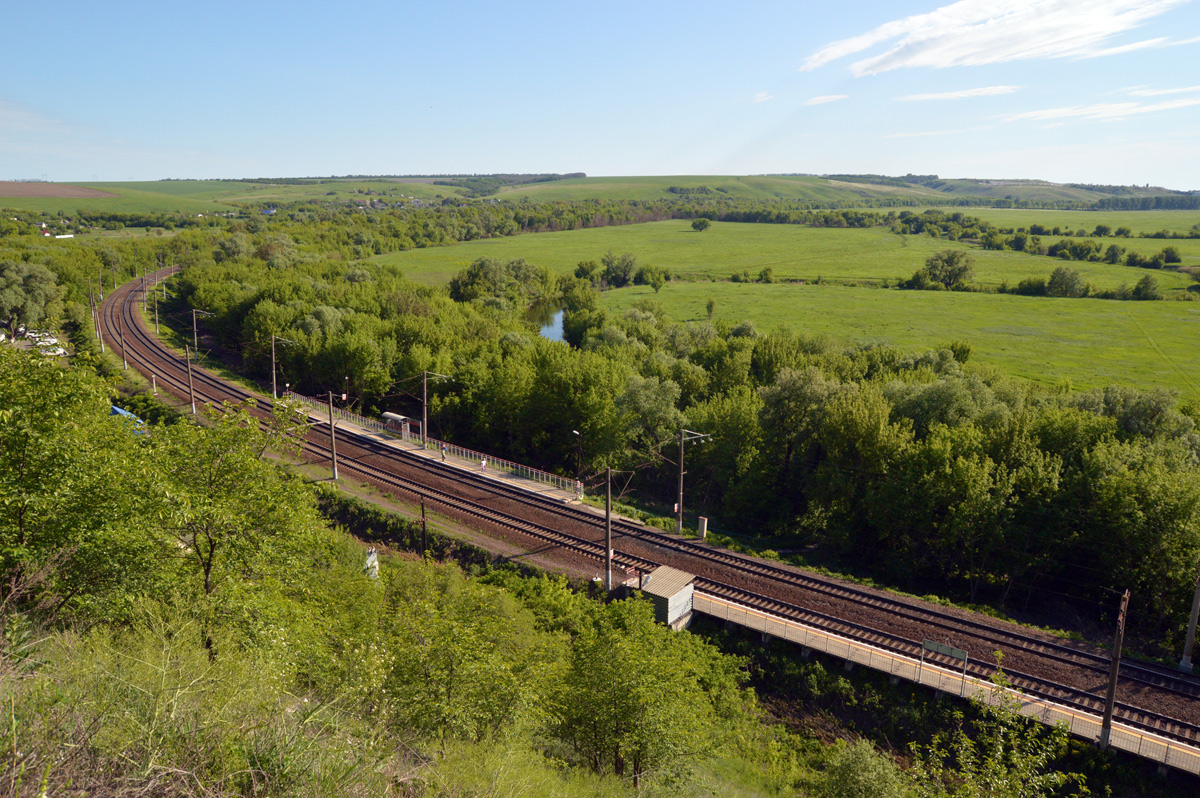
1101 91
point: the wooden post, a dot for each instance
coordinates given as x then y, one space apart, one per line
191 391
153 385
1109 700
424 532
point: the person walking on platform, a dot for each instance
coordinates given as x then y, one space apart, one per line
483 466
443 452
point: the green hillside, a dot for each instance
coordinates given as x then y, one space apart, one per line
792 252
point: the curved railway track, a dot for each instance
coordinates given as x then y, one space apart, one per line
1151 697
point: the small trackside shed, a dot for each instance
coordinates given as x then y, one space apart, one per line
670 591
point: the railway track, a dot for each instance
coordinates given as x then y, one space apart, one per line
1143 681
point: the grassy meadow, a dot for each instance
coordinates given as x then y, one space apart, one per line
792 252
1137 221
210 196
1091 342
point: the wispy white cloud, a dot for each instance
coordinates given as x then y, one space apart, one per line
1142 92
1101 111
1145 44
826 98
763 96
927 133
986 91
974 32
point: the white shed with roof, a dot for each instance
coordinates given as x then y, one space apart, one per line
670 591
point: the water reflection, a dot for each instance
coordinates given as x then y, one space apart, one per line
548 316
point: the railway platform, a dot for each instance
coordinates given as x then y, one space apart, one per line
516 475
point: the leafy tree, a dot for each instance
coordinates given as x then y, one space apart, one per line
1004 755
72 488
464 659
710 307
1171 255
1066 282
28 293
951 267
636 694
701 224
226 505
1146 288
859 771
1114 254
618 270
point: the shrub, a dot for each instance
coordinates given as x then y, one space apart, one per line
1066 282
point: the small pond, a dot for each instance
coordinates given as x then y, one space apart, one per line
548 316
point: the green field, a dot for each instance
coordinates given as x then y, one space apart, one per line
210 196
812 189
793 252
197 196
1091 342
1137 221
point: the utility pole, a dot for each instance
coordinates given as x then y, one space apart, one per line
1106 726
100 268
685 435
1185 664
153 384
425 402
332 437
195 337
608 529
275 338
156 313
191 391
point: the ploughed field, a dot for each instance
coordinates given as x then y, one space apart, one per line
486 504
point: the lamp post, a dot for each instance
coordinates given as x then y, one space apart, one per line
578 454
685 435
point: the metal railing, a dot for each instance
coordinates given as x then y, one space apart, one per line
1173 753
485 462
